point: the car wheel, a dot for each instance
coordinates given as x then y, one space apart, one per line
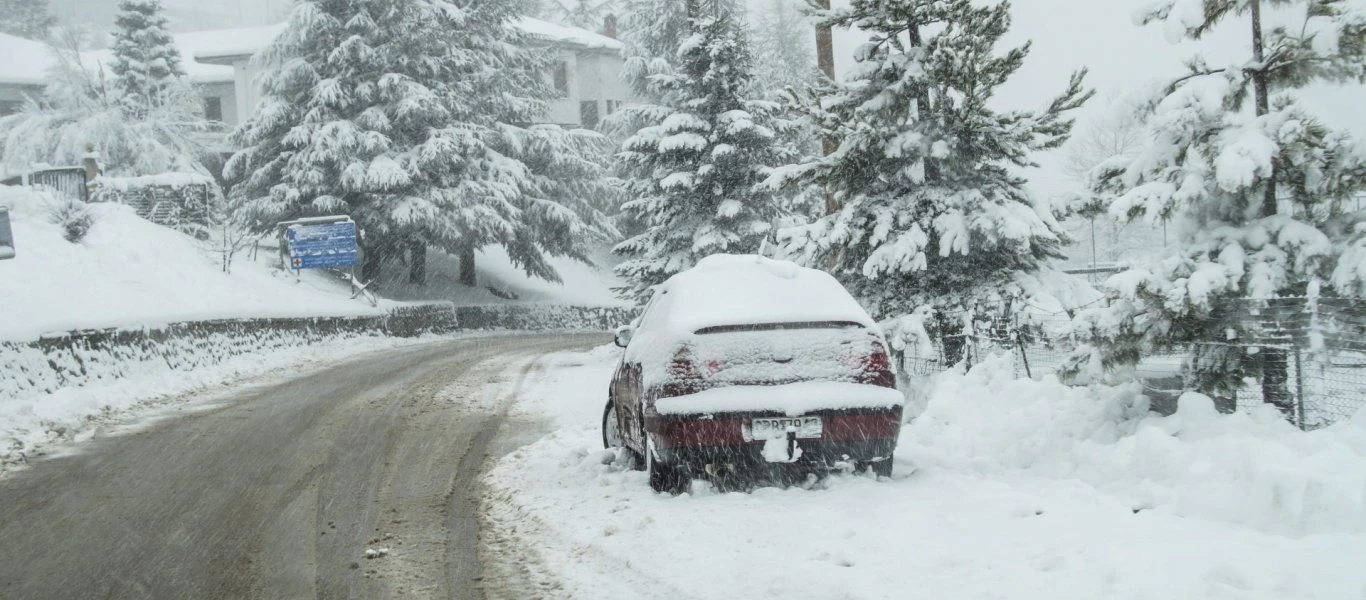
611 428
612 438
881 468
664 478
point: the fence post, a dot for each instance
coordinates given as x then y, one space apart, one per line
1019 341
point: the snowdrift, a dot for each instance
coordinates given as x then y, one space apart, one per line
1004 488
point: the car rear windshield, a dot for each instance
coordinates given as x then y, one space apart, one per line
776 353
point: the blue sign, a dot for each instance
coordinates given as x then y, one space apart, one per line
322 245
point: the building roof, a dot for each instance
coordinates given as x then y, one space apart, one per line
189 44
25 62
224 46
566 35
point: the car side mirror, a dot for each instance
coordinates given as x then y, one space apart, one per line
623 336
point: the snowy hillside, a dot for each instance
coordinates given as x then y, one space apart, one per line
128 272
1004 488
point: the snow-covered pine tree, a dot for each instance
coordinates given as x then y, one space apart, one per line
653 31
26 18
409 115
146 60
1257 189
693 173
785 71
585 14
931 210
784 48
80 109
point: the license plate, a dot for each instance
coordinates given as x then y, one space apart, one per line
777 429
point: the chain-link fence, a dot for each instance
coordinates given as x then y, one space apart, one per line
1305 356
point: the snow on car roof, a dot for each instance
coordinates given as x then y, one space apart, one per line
726 289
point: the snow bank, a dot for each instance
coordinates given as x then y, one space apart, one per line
1004 488
128 272
1253 470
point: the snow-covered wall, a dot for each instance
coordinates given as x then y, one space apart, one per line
81 358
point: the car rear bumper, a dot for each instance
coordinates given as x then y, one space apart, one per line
848 434
813 452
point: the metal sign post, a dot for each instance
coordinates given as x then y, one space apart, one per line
6 235
323 243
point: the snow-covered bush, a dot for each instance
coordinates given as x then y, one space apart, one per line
83 110
74 218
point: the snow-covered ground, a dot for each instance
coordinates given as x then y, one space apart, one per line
129 272
1004 488
501 282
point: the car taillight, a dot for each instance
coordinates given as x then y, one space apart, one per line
877 368
684 375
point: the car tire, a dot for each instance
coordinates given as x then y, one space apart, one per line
881 468
664 478
613 440
611 428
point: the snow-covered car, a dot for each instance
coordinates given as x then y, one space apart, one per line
742 362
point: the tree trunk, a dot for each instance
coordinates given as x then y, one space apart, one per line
922 106
1262 99
825 59
1275 367
417 263
467 276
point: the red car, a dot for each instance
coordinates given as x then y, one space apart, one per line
743 363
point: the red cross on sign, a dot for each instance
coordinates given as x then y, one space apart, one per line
298 262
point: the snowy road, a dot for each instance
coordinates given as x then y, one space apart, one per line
279 491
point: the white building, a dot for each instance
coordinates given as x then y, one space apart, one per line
587 71
23 71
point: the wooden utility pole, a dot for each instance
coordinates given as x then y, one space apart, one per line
825 59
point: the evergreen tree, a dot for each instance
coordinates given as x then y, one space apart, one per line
81 110
586 14
653 32
931 210
409 116
1259 191
693 172
784 48
26 18
146 61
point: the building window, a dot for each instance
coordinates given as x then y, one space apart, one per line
613 106
588 114
562 77
213 108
